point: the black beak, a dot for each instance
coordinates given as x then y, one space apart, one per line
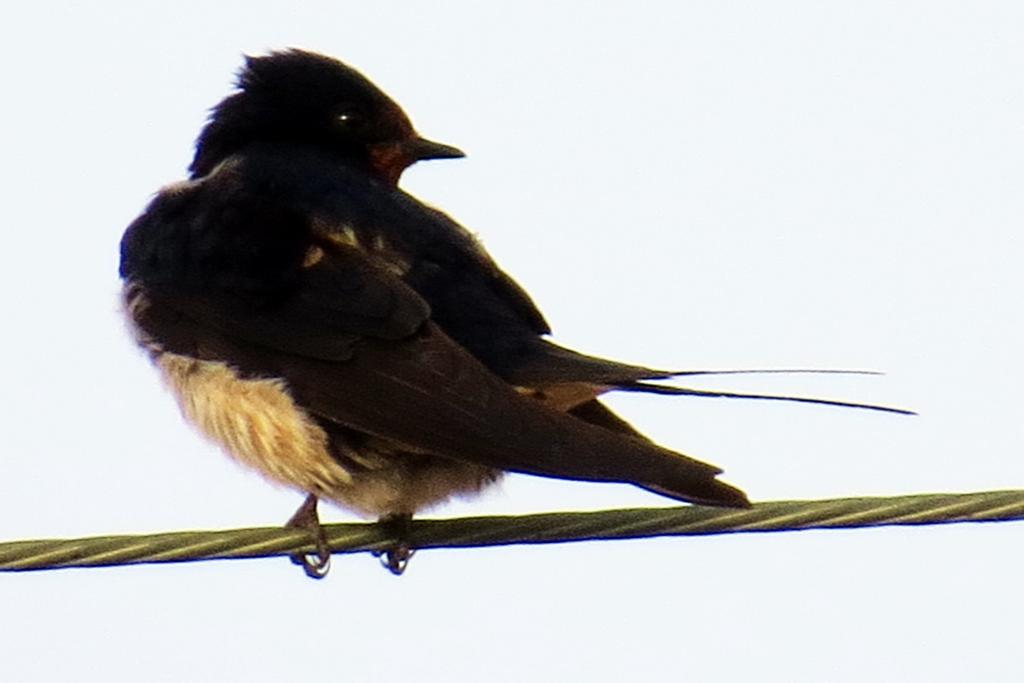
421 149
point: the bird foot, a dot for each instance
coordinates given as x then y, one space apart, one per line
396 558
316 565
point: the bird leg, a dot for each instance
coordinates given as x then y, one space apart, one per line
306 518
396 558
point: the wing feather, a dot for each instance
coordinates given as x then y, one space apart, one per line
251 285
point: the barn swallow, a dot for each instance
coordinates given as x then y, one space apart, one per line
343 339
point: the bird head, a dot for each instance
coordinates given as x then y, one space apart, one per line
301 97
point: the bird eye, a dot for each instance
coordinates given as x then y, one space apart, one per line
349 118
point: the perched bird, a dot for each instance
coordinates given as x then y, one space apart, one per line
342 338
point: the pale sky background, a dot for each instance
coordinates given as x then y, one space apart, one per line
702 185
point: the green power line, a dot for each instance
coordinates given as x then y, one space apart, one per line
561 527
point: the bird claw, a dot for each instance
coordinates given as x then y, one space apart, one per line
396 558
318 564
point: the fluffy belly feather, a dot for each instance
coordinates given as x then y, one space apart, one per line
258 423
